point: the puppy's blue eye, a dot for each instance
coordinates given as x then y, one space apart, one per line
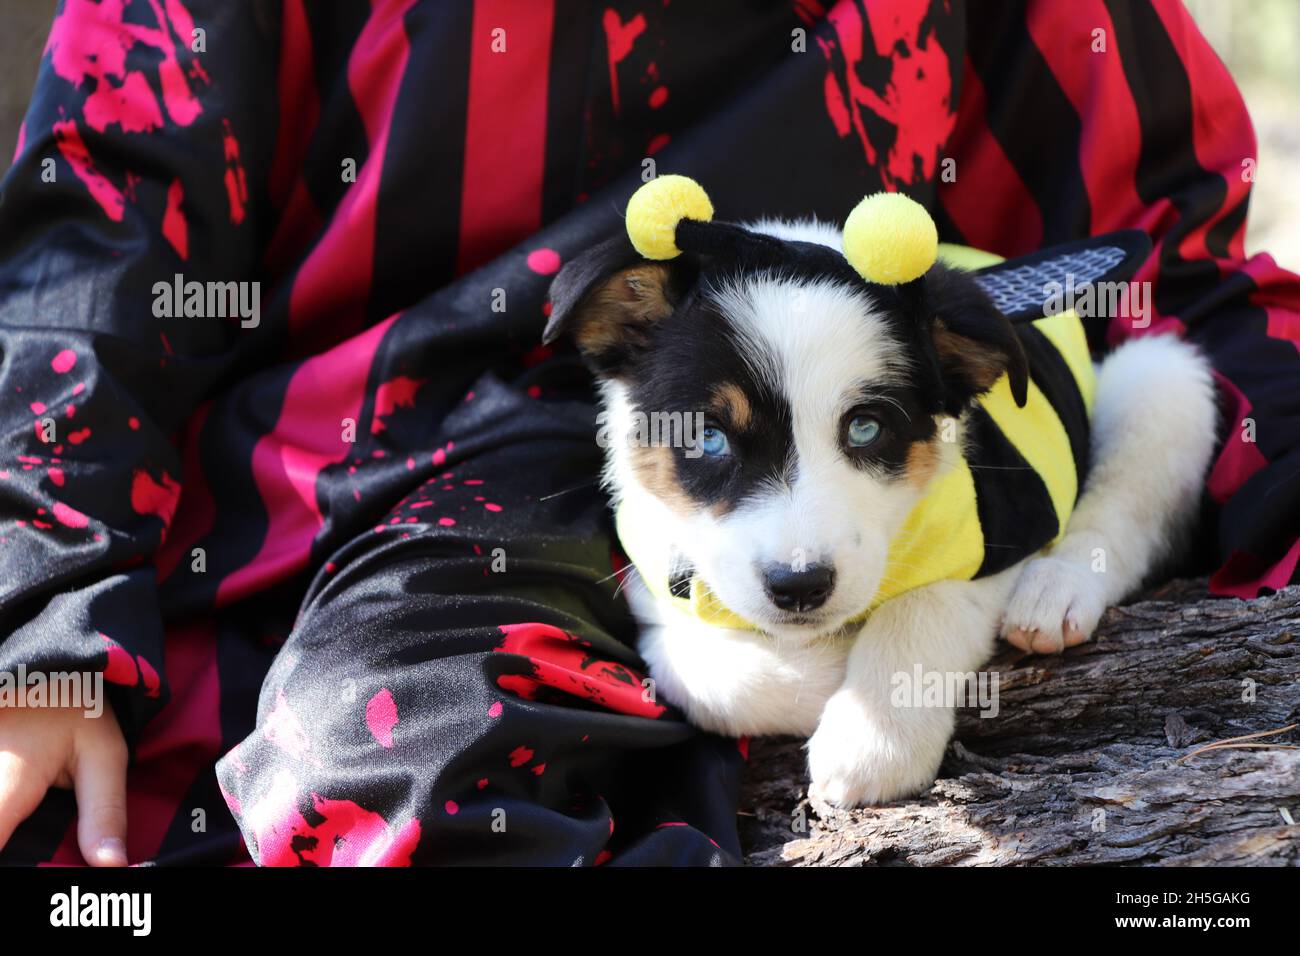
862 431
713 441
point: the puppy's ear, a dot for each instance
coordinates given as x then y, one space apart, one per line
974 342
608 298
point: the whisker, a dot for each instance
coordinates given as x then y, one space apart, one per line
627 567
623 583
566 491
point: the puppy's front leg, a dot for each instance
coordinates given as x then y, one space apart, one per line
873 744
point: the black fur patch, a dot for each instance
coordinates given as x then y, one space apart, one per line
685 359
906 416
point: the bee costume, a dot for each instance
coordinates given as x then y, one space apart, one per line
1013 489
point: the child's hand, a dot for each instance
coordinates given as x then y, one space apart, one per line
62 747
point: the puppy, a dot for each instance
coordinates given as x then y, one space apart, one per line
782 577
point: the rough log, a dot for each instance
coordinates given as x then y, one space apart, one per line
1095 757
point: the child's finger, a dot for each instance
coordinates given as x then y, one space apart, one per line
100 784
21 788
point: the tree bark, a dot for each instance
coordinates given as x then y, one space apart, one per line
1095 755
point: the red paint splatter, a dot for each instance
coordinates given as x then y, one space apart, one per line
452 807
69 517
520 756
619 37
64 361
348 835
915 99
91 40
495 709
658 97
285 730
564 662
73 149
149 677
396 393
79 436
120 666
236 184
381 717
544 261
56 476
174 227
88 45
148 497
131 105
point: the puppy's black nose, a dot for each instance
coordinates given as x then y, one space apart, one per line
799 590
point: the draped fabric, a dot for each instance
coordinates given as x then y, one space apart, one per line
341 557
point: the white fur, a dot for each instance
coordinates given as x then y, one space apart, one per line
866 748
736 682
1153 433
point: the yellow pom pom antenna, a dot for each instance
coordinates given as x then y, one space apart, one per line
890 239
656 208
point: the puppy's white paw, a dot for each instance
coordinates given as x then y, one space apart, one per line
851 764
1056 604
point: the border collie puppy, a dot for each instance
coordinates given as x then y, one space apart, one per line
871 472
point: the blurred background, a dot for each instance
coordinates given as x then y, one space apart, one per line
1259 40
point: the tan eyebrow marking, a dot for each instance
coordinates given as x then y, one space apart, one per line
922 462
730 403
655 469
